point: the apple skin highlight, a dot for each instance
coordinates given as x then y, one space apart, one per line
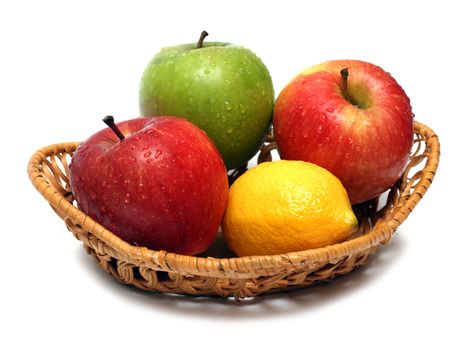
163 187
364 140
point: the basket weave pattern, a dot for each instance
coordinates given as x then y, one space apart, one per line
238 277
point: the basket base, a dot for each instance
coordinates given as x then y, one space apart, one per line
169 282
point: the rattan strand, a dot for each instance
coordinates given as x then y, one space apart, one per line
238 277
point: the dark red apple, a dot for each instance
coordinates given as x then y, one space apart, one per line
350 117
162 186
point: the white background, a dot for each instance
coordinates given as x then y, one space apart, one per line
66 65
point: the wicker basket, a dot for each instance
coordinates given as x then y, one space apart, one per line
238 277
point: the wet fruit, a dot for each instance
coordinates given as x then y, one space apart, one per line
160 184
224 89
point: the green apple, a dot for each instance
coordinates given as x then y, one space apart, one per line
224 89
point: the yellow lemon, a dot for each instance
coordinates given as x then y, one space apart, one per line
286 206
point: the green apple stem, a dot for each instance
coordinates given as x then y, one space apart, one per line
109 120
203 35
344 75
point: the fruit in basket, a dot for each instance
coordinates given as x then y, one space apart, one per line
158 182
350 117
286 206
224 89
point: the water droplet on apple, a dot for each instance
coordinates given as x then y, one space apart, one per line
132 145
162 188
227 106
147 154
323 117
157 154
305 133
93 195
300 107
132 159
103 183
329 109
137 138
206 71
150 160
230 130
103 208
146 147
150 131
242 108
227 81
319 129
126 200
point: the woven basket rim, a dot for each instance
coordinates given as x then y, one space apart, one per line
233 267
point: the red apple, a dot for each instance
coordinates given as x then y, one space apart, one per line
162 186
350 117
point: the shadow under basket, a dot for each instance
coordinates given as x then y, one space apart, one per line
242 277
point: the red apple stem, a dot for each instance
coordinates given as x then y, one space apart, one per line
203 35
109 120
344 75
